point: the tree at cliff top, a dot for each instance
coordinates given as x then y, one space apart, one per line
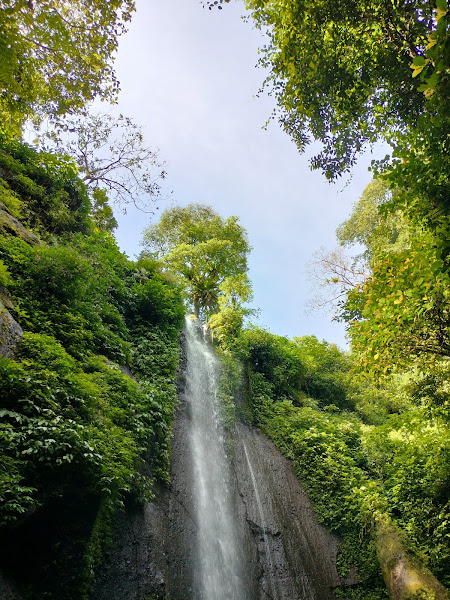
202 249
57 56
227 323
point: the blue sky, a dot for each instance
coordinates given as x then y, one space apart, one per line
189 76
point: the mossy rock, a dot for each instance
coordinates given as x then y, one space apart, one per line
9 225
10 331
405 577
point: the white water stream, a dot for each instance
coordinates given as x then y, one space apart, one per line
219 554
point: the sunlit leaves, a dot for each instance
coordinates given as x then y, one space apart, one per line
202 249
227 322
340 72
405 308
58 55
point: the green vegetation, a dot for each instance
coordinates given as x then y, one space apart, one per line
40 188
370 445
57 56
78 436
88 393
364 451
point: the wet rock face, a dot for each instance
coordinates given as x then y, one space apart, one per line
297 555
183 573
288 554
135 567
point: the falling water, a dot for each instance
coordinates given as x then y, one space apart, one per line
263 525
219 555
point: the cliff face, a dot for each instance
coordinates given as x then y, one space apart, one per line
297 556
288 555
10 330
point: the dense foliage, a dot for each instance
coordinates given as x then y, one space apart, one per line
57 56
88 393
398 311
341 72
78 434
40 188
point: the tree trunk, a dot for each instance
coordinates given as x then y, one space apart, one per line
196 308
405 577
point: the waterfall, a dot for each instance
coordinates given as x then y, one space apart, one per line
223 530
218 547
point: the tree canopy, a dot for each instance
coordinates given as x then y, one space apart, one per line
401 312
394 292
341 70
228 321
349 73
202 249
56 56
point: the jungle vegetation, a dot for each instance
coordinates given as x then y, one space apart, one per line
366 430
78 435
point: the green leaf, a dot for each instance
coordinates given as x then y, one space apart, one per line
418 61
437 266
433 80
